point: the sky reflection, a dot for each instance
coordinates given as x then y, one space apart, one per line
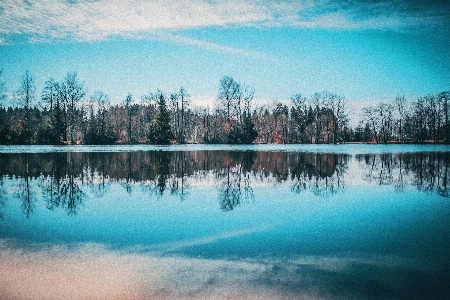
224 224
91 271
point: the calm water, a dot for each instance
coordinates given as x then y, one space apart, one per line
218 222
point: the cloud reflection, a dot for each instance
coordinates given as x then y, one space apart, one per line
170 247
92 271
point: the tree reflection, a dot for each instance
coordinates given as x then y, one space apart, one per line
162 170
61 187
24 190
65 180
427 171
128 183
178 186
236 183
323 174
2 197
95 172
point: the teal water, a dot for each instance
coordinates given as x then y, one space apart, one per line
213 222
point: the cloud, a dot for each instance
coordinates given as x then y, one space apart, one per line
43 21
95 20
210 46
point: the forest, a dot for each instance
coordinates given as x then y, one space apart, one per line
64 113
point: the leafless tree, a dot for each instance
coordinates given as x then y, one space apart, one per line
73 91
400 103
3 90
26 94
127 102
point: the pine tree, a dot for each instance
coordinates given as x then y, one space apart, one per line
160 132
249 132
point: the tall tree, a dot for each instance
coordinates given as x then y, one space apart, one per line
73 91
102 102
59 117
128 100
336 105
445 102
299 118
100 131
400 103
387 121
50 93
4 126
2 89
249 132
26 95
229 96
50 96
160 132
235 102
179 104
419 118
372 118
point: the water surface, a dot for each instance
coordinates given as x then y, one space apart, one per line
213 222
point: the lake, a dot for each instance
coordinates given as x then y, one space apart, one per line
225 222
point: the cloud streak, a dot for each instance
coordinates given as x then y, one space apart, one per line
164 36
41 21
96 20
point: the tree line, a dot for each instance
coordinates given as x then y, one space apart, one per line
63 113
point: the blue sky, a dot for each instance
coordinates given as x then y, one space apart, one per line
362 50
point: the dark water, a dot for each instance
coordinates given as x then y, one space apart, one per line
191 222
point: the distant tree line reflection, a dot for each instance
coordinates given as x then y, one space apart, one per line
427 171
65 180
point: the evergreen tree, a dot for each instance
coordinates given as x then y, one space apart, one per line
58 123
92 135
249 132
234 135
4 127
160 132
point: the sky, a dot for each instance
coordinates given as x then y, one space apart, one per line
368 51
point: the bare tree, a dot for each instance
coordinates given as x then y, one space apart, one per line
179 104
26 95
298 117
372 118
184 97
2 89
400 103
50 93
444 99
73 92
419 118
128 100
386 121
101 100
230 96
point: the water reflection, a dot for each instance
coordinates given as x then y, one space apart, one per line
235 180
64 180
427 171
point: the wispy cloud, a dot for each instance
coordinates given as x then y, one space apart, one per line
179 39
93 20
